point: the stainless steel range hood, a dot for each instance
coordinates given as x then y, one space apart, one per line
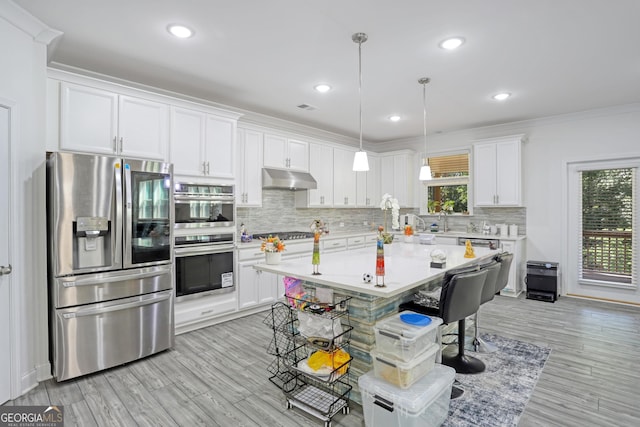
286 179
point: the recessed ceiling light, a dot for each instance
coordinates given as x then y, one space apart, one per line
452 43
322 87
501 96
394 118
180 31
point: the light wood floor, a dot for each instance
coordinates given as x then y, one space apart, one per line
217 376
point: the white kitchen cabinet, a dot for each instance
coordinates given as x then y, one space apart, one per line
446 240
285 153
249 167
190 313
202 144
98 121
368 192
497 171
255 287
321 169
344 178
518 266
397 177
333 245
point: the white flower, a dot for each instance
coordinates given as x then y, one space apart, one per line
388 202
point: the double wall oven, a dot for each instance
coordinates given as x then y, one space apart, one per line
204 239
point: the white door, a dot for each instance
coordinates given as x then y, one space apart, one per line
5 279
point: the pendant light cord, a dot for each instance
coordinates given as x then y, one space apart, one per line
360 86
423 81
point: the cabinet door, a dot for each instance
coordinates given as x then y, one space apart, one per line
508 173
402 187
484 174
386 176
249 168
344 181
298 154
373 196
267 288
275 151
143 128
321 168
512 288
248 283
220 147
88 119
187 142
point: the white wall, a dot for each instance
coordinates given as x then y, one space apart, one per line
552 142
22 83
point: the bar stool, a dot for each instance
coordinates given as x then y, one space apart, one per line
477 344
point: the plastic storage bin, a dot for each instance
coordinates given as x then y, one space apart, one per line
404 374
403 341
425 404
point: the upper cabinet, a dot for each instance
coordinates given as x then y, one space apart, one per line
344 178
99 121
321 169
284 153
397 177
249 167
202 144
497 171
369 184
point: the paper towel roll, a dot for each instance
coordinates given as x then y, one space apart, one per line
513 230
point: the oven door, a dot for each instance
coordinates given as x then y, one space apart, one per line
204 269
204 211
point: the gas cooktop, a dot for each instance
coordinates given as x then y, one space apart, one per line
285 235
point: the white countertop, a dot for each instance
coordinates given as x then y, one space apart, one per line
407 265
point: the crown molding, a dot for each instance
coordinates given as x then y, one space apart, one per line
24 21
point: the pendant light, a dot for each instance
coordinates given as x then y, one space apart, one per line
425 170
360 161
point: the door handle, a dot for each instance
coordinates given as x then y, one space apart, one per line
5 270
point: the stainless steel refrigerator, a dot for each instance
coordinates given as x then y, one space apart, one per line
110 261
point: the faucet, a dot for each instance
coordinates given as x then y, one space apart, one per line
424 224
440 215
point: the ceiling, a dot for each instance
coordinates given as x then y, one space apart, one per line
553 56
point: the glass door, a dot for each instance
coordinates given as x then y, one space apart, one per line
149 227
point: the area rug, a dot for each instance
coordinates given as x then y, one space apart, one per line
497 397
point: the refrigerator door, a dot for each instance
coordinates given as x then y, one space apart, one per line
94 337
148 213
85 213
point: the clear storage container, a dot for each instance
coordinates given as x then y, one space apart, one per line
403 341
425 404
404 374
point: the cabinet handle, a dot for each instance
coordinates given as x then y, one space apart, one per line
202 313
121 140
204 170
322 200
115 144
497 199
208 172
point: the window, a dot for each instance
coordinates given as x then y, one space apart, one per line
449 184
607 225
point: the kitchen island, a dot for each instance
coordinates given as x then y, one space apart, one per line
407 268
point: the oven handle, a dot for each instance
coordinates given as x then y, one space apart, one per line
139 302
223 199
203 250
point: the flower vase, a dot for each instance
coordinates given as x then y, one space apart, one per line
273 257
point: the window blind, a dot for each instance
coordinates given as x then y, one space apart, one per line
607 223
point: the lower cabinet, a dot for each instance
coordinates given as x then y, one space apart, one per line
256 287
193 313
518 266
